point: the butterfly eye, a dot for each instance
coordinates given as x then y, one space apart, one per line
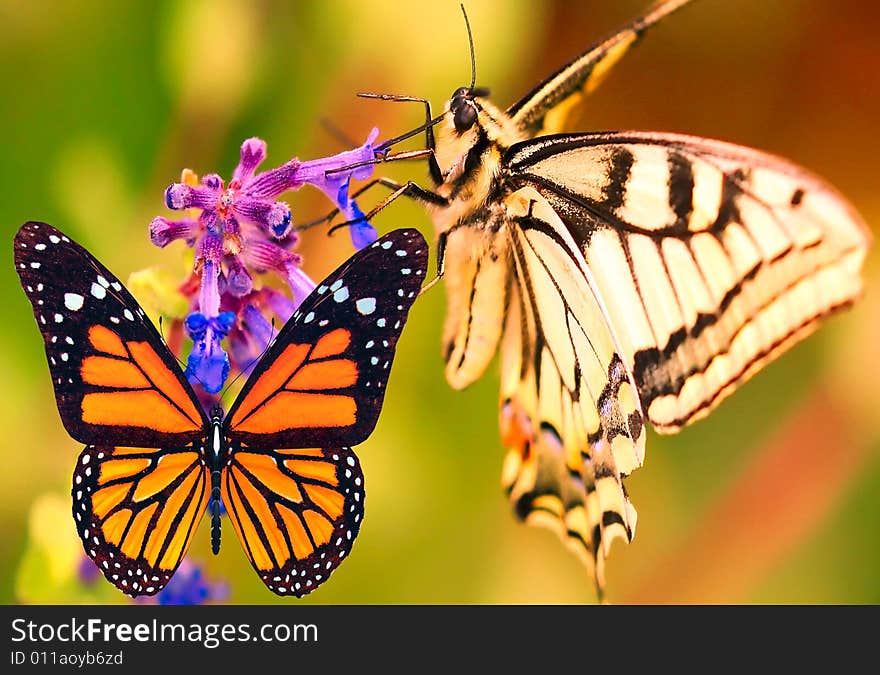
464 116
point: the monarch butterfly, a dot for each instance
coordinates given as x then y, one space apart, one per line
279 458
626 277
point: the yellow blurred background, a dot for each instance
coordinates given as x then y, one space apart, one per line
774 498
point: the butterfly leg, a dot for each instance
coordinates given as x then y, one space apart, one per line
428 126
409 189
386 182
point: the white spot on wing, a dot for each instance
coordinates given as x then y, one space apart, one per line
98 291
366 305
73 301
341 295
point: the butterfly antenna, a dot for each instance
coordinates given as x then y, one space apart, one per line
183 365
337 133
252 363
467 24
162 335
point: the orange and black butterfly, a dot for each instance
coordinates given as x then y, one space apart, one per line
279 459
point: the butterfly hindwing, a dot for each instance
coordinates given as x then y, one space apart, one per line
115 381
136 510
322 381
570 413
477 278
297 512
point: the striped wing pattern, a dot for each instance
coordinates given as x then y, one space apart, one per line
570 415
711 258
136 510
296 512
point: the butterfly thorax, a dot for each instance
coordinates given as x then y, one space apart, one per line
470 159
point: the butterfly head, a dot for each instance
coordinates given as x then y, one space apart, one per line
465 108
216 413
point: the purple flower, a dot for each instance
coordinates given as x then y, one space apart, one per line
240 230
189 586
325 175
87 571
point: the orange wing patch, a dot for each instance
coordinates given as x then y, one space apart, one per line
107 372
307 468
105 340
266 467
135 409
334 374
271 381
335 342
108 498
285 395
168 468
121 468
296 410
299 538
140 389
137 510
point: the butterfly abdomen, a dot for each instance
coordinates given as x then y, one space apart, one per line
215 510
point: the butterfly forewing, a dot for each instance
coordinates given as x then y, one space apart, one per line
136 510
710 257
297 512
322 382
546 108
115 381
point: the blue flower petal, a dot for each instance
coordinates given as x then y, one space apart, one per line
362 233
208 363
189 586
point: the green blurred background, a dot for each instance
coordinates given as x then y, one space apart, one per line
774 498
